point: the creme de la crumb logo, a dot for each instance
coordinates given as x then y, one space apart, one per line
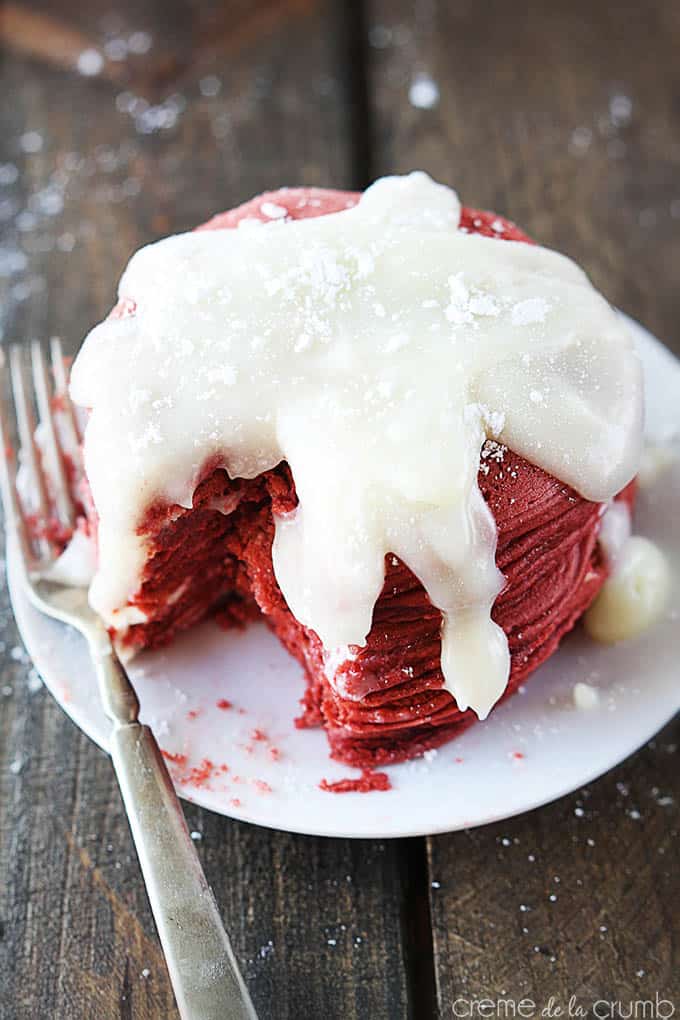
656 1008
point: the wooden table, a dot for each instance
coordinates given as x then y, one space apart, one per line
566 117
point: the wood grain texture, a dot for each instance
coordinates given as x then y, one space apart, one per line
577 899
316 924
528 123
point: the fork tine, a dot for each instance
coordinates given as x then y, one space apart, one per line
61 389
29 449
14 518
62 494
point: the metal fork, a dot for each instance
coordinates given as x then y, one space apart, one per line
203 971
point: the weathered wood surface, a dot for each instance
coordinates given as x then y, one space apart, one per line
318 93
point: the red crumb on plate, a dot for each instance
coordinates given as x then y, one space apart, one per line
365 783
177 759
224 704
261 786
517 755
235 802
257 735
274 753
199 775
193 713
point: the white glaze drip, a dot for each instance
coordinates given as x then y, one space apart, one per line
373 350
634 596
615 531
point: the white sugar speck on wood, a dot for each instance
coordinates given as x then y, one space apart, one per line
31 142
139 43
423 92
90 62
210 86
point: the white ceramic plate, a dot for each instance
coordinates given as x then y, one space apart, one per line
249 762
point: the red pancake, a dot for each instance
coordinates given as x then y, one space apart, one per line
388 703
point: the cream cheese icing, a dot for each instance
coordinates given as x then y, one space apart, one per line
634 596
373 349
615 532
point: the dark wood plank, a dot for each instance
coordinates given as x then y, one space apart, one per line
577 899
316 924
528 122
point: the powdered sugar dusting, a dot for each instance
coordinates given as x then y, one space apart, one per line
530 311
273 211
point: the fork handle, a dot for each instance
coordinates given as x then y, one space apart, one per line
203 971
